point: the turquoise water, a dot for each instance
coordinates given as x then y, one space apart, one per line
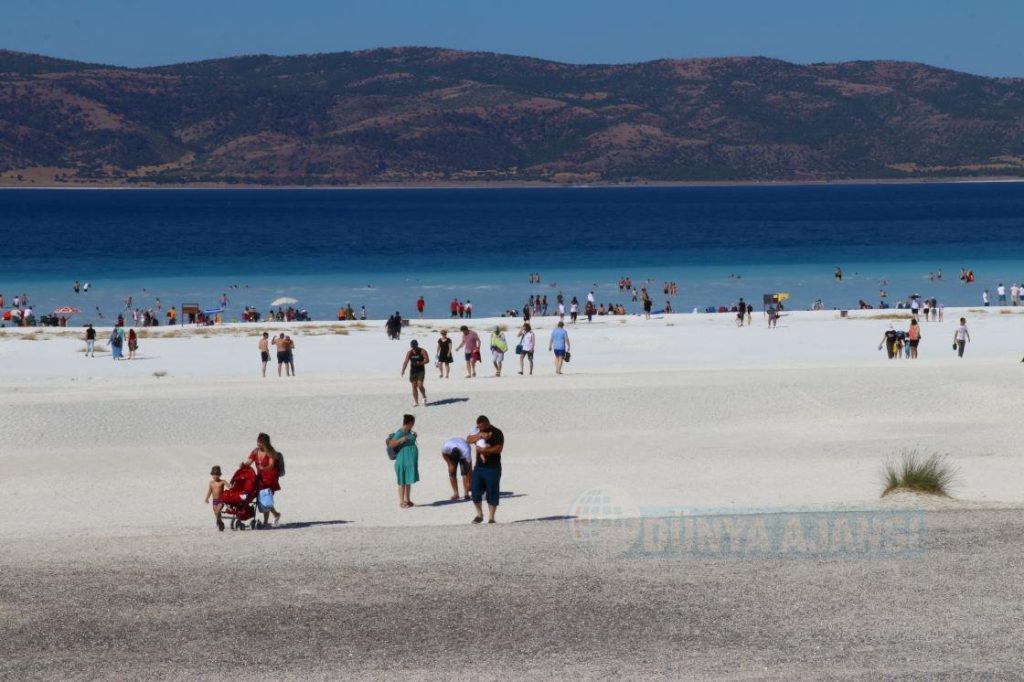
384 248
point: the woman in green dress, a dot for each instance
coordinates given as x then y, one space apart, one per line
407 464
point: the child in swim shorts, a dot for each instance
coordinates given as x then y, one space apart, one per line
213 494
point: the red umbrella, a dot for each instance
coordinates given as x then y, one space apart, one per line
66 310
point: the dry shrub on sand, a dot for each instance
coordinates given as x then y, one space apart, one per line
915 472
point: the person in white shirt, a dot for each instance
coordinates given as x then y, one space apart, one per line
961 337
984 297
1001 292
527 342
458 455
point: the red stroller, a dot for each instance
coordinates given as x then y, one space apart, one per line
240 499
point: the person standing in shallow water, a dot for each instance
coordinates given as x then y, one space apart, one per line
407 463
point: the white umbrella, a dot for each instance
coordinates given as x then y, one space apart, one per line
285 300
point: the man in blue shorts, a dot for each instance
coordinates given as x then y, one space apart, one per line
490 441
559 343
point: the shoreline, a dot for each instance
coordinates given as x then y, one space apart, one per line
532 185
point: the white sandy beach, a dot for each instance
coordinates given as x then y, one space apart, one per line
680 412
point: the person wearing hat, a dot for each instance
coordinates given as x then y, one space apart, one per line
498 347
416 360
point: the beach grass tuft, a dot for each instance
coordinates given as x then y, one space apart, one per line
913 471
892 316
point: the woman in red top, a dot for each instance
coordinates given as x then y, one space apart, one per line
264 456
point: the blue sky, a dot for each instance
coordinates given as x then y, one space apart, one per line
979 37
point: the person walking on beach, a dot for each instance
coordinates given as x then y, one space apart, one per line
407 463
961 337
574 310
281 345
90 341
498 347
471 343
133 344
269 467
490 442
469 309
454 308
1001 293
891 341
116 343
559 344
291 355
741 312
457 454
420 304
213 493
647 303
984 298
264 346
914 338
416 360
444 356
527 342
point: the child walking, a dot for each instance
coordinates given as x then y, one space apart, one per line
213 493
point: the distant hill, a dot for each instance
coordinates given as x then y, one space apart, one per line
421 115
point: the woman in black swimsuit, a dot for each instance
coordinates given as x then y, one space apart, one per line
444 355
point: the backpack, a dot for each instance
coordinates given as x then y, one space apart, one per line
279 465
392 452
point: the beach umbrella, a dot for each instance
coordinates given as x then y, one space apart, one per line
782 296
213 311
66 310
285 300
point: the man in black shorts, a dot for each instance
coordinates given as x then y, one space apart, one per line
264 352
490 441
416 360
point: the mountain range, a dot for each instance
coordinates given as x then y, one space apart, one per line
400 116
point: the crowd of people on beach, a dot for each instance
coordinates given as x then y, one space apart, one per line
417 359
254 486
